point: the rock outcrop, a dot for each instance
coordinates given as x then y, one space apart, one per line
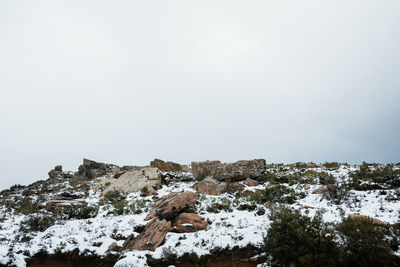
364 217
321 190
210 186
146 180
90 170
237 171
151 238
168 166
251 182
170 206
188 222
57 173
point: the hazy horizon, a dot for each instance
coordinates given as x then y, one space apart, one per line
129 81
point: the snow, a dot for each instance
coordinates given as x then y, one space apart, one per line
227 229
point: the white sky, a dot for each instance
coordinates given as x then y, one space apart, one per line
127 81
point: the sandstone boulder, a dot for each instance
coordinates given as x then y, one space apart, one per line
151 238
210 186
320 190
364 217
251 182
307 187
188 222
90 170
205 168
57 173
166 166
170 206
146 180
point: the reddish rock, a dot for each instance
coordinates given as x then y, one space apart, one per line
320 190
364 217
306 187
170 206
151 238
210 186
188 222
166 166
251 182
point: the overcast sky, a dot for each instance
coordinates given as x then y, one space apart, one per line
128 81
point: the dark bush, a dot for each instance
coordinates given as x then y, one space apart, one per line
277 193
37 223
297 240
77 211
366 243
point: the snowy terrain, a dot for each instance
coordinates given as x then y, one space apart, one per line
226 228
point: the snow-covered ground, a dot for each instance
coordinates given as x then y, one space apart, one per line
226 229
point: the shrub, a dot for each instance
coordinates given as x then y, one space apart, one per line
224 205
331 165
277 193
366 243
77 211
37 223
297 240
377 177
113 196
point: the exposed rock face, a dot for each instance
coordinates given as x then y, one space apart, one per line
205 168
251 182
104 183
90 170
151 238
166 166
210 186
364 217
170 206
188 222
57 173
146 180
320 190
230 171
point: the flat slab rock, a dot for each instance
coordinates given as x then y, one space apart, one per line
188 223
151 238
168 207
146 179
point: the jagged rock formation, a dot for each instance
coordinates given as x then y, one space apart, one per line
170 206
90 170
168 166
57 173
237 171
146 180
152 236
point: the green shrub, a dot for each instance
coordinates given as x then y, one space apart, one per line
37 223
225 205
277 193
366 243
77 211
113 196
331 165
297 240
376 177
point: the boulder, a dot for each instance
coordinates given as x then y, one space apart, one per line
151 238
104 183
364 217
251 182
113 247
320 190
205 168
168 207
229 171
166 166
90 170
210 186
146 180
307 187
188 222
56 173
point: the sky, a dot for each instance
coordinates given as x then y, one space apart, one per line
125 82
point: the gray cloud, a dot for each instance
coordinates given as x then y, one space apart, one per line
128 81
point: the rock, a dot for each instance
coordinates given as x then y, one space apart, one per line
210 186
364 217
251 182
168 207
90 170
320 190
113 247
235 187
229 171
188 223
151 238
56 173
105 183
146 180
307 187
53 204
58 168
166 166
205 168
311 166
